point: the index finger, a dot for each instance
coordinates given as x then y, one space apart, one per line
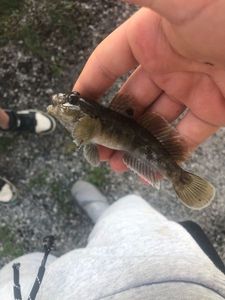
112 58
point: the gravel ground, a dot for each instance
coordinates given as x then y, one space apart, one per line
44 168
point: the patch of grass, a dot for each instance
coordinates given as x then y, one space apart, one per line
39 180
8 7
10 13
61 195
36 24
56 69
68 18
59 192
5 143
97 176
45 28
32 40
8 245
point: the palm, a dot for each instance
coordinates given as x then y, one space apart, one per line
164 80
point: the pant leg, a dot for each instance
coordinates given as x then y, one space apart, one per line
125 220
203 241
29 265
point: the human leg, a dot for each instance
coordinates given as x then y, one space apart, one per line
125 221
131 219
28 120
127 218
90 199
4 119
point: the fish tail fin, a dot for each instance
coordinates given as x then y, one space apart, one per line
194 191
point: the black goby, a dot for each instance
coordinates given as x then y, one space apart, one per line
151 147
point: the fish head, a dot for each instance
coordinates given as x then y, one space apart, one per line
71 98
65 108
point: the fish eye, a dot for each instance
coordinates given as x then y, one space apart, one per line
73 98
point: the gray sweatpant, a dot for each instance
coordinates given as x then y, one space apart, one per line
133 253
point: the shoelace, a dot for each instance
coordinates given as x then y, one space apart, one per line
48 243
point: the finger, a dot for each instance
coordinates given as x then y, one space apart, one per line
141 89
116 162
111 59
194 130
115 159
105 153
206 104
146 94
199 93
167 107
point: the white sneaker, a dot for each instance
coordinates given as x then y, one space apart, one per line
90 199
31 120
8 192
36 121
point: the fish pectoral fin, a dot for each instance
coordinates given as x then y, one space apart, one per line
85 130
91 154
123 105
166 134
144 169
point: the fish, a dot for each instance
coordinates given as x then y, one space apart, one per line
151 147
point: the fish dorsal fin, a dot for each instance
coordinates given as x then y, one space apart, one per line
144 169
166 134
123 105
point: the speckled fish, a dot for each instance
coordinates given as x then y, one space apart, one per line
151 147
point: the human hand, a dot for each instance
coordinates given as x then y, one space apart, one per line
178 53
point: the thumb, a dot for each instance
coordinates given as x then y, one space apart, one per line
175 11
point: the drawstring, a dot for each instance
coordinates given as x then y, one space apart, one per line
16 279
48 242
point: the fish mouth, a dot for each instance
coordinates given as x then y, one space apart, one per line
59 99
66 108
51 109
63 101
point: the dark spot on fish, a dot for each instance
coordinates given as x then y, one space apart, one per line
130 112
